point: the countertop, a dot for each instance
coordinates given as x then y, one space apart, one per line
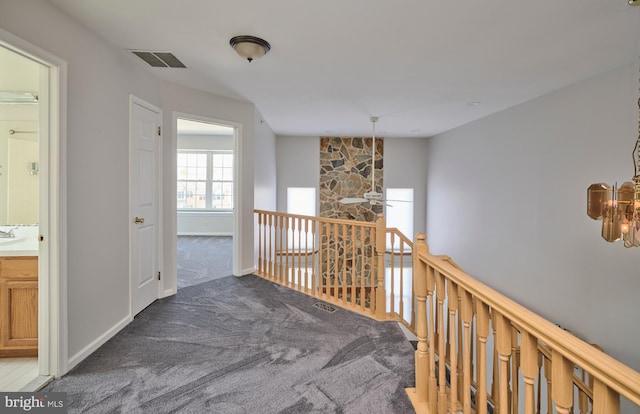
24 244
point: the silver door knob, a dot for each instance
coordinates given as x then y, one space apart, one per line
138 220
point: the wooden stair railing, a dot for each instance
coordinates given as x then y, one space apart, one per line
361 266
533 364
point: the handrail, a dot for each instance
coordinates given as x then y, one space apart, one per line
609 370
322 219
524 345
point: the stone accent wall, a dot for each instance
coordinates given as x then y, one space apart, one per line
345 172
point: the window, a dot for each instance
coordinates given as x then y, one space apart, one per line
302 201
400 211
205 180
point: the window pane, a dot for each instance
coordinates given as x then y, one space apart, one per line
194 179
400 211
191 194
302 201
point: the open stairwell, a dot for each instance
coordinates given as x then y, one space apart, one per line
477 351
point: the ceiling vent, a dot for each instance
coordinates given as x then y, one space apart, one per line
159 59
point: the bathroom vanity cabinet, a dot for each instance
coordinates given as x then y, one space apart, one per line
18 306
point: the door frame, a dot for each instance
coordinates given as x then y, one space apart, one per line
134 100
52 260
171 248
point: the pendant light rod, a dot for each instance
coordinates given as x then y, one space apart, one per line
373 119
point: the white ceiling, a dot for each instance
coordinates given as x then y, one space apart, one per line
417 64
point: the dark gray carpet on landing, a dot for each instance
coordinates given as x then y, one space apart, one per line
244 345
203 258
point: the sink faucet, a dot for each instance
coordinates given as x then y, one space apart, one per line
7 234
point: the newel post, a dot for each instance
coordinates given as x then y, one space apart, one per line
420 289
381 242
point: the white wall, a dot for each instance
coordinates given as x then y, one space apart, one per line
265 165
507 201
404 167
100 79
298 166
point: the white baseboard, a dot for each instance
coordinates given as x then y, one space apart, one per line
204 233
169 292
247 271
97 343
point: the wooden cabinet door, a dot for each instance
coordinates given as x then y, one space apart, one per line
19 314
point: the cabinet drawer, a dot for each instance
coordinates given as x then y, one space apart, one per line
19 267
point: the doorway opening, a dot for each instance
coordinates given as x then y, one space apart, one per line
205 200
32 327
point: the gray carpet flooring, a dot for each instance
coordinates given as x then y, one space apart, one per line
244 345
203 258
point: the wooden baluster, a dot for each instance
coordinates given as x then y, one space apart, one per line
583 400
354 266
467 320
503 345
421 355
432 387
605 400
529 355
280 247
381 244
562 374
363 259
336 262
322 242
547 374
373 276
401 304
474 342
452 302
345 247
460 350
306 255
448 337
299 263
515 367
442 367
270 256
413 307
290 273
314 272
276 233
495 366
482 320
260 269
392 294
539 396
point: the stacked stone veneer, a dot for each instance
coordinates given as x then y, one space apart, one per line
345 172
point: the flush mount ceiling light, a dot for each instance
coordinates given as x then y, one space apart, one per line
250 47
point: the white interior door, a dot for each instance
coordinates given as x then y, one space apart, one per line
144 136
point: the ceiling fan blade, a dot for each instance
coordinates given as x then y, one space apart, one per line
353 200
